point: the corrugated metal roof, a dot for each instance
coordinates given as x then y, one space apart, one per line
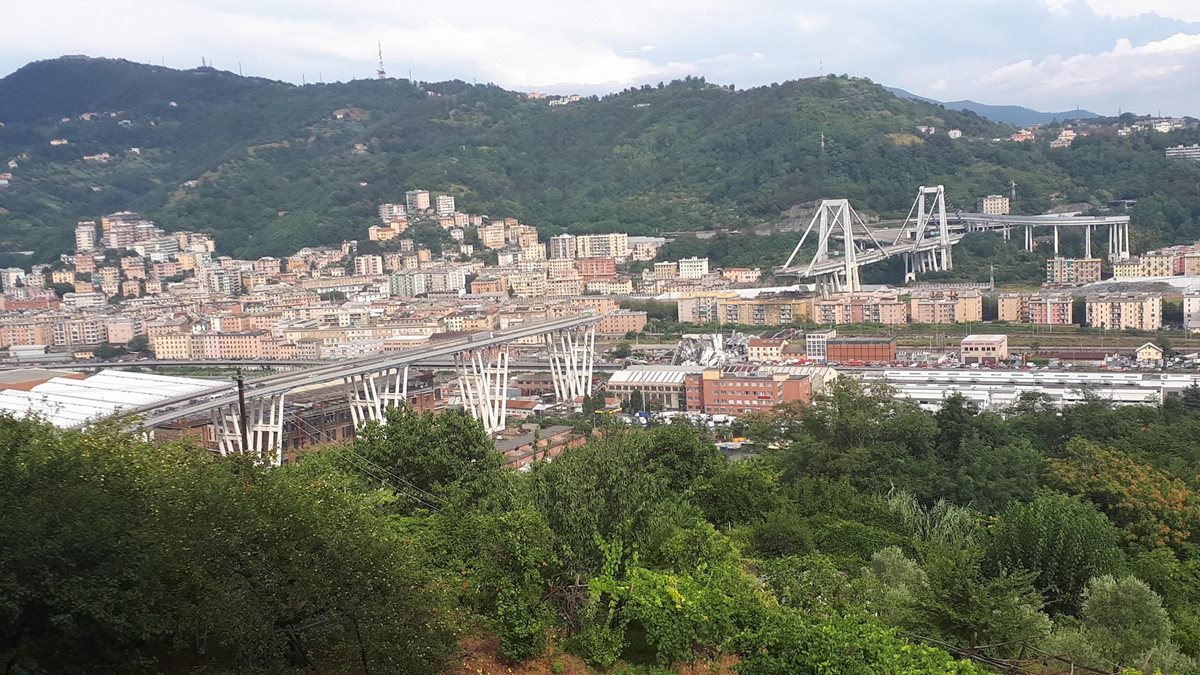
66 402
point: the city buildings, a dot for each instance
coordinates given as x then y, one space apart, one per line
1072 271
1115 311
1147 265
1045 309
612 245
444 206
416 201
562 246
994 205
764 310
85 236
1191 152
693 268
883 307
946 306
1191 312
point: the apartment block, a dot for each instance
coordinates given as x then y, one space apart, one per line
622 322
492 236
701 308
1115 311
611 245
528 284
408 284
1073 271
85 236
566 286
389 213
693 268
867 307
368 266
741 275
1191 312
1149 265
765 310
946 306
416 201
592 269
1045 309
995 205
489 284
562 246
444 206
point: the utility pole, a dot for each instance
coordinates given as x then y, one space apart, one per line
241 382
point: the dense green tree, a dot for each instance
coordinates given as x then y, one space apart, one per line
791 644
119 555
1124 618
422 450
1063 540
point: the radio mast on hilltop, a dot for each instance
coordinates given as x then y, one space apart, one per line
381 74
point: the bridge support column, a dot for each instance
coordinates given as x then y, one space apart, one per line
263 433
1029 238
1055 241
1087 241
371 394
572 358
1118 242
483 381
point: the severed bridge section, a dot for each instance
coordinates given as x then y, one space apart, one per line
376 384
925 239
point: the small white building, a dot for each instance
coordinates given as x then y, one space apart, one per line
693 268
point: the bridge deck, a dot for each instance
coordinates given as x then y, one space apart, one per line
194 405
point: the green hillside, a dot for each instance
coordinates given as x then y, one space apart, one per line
276 170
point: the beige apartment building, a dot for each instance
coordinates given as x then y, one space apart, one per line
172 346
25 332
1073 271
564 286
994 205
492 236
946 306
1052 309
867 307
1115 311
1145 266
764 310
622 322
528 284
611 245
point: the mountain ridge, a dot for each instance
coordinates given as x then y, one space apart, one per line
1003 114
268 167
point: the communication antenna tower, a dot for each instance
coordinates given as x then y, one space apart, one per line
381 74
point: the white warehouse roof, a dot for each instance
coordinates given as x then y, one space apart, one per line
65 402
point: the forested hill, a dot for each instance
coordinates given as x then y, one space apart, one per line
269 167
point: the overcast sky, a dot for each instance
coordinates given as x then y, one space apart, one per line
1104 55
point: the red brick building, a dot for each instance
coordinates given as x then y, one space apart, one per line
714 392
863 349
